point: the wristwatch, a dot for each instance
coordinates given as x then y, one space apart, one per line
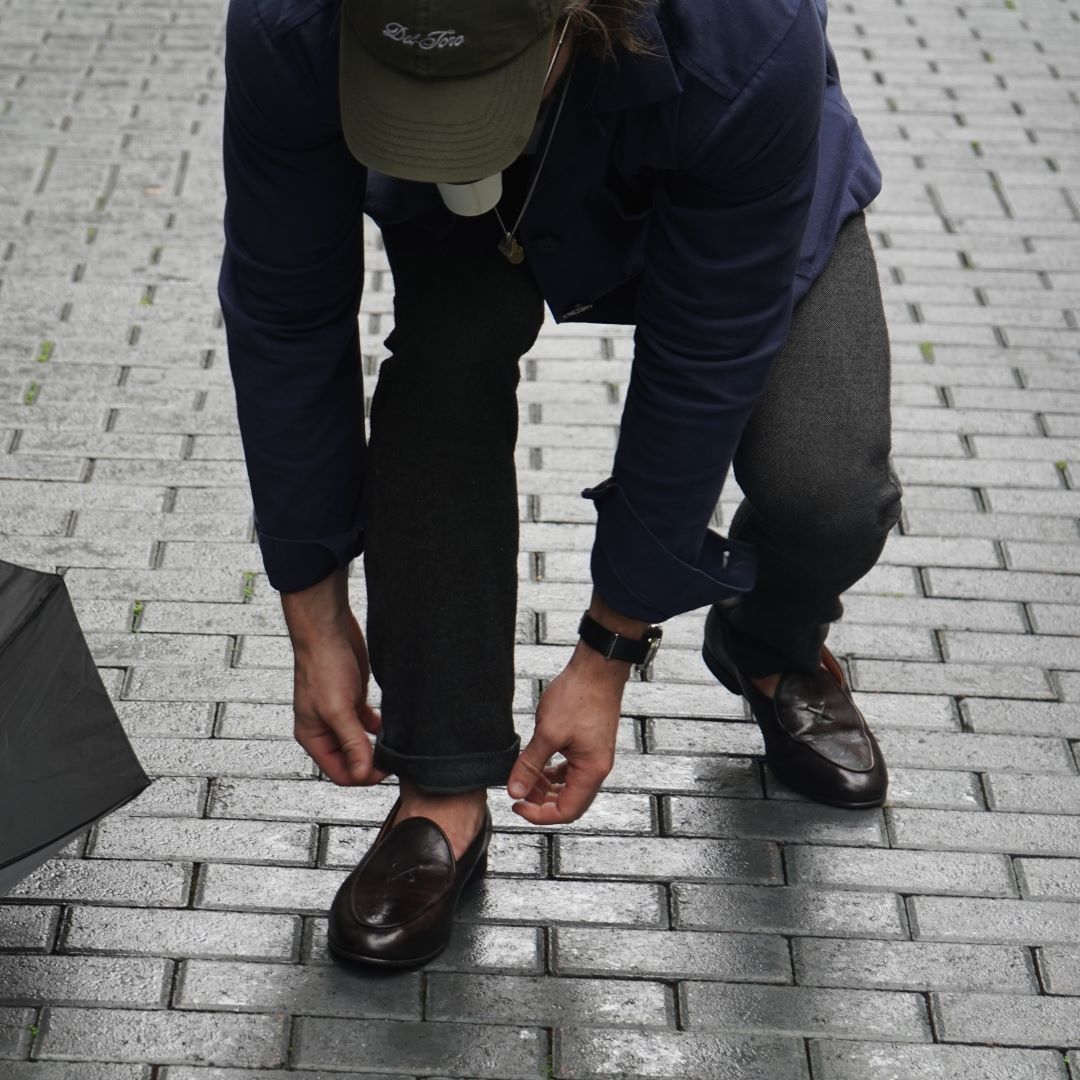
638 651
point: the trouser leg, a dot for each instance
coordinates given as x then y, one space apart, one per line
441 509
820 495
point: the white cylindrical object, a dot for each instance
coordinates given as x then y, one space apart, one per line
472 200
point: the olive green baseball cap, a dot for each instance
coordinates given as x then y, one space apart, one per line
442 90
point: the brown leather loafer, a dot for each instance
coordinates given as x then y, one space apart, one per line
396 908
816 739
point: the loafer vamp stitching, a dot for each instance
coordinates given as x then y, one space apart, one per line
410 871
813 710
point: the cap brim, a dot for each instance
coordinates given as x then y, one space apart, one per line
440 129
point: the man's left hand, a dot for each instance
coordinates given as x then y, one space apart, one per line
578 716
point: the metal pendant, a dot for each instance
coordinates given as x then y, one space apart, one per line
511 249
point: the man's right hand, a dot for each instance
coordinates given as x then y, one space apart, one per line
331 674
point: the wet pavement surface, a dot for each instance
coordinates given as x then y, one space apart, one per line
700 921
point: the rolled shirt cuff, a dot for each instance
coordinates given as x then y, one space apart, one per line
292 565
640 578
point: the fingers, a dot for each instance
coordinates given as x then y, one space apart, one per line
528 770
563 802
546 784
341 749
371 720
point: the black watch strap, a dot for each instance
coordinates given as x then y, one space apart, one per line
638 651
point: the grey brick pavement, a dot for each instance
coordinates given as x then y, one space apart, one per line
701 921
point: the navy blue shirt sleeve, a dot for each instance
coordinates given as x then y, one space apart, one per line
289 286
714 308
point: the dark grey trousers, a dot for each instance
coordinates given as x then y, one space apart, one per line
441 497
813 465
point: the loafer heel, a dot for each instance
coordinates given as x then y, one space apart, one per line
721 673
716 660
480 869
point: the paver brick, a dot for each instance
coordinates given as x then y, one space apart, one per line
127 648
939 551
805 1010
667 858
1050 558
997 526
170 720
1048 650
598 1052
974 472
713 739
893 1061
1055 618
189 1072
300 801
475 1051
243 720
721 775
687 815
908 711
952 872
976 680
27 928
106 881
913 965
553 1002
604 951
1007 833
229 887
204 934
125 982
1021 922
322 990
15 1031
1033 794
82 1070
1045 501
949 750
1006 1020
169 796
164 1036
1059 966
795 910
215 757
910 787
1022 717
925 611
212 841
1003 585
605 902
1049 879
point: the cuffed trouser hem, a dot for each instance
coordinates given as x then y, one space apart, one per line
787 641
448 773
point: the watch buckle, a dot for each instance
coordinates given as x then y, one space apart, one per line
644 669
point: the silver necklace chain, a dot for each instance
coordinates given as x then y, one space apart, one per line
509 245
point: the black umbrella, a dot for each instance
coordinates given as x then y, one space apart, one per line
65 759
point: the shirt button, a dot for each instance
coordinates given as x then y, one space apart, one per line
548 244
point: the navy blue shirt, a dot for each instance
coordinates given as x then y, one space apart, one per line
695 192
